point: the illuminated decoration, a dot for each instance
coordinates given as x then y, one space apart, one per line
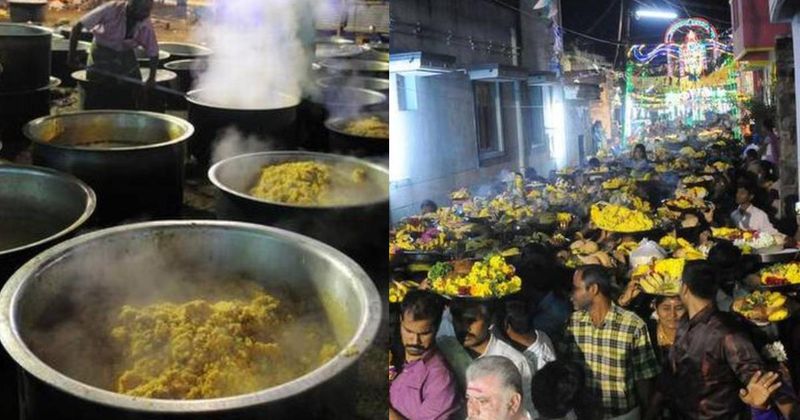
690 77
638 52
687 43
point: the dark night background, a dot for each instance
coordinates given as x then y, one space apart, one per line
600 19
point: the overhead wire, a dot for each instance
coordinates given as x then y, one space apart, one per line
565 29
602 16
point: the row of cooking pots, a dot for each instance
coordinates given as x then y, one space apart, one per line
31 48
124 161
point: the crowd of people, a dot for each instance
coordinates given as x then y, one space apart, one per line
587 342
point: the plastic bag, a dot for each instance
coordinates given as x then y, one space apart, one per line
646 252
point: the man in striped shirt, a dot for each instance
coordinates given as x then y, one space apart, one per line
612 345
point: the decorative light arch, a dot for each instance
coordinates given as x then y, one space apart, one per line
694 47
690 23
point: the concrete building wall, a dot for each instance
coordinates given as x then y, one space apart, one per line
434 148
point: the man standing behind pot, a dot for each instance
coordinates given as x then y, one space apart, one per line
425 389
118 27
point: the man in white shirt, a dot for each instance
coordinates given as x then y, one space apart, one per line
474 337
494 390
746 216
535 345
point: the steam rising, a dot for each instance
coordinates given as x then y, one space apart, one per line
69 329
262 52
232 142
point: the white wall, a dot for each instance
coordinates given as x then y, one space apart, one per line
434 148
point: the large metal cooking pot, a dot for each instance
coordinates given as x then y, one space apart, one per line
94 95
16 109
38 207
355 66
98 272
27 10
187 71
210 119
183 51
356 145
133 160
359 229
335 101
377 84
24 57
60 68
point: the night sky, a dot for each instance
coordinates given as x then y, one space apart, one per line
584 16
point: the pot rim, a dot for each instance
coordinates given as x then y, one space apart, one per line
214 169
319 97
42 30
89 205
202 50
170 66
53 83
162 75
191 97
337 64
362 338
83 46
28 2
188 130
162 55
326 82
332 124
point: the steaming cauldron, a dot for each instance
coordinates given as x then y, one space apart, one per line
335 101
133 160
58 286
38 208
187 71
358 229
211 119
352 144
120 95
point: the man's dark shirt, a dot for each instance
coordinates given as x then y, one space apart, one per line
711 360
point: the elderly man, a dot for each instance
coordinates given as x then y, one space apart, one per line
612 346
118 27
494 390
425 389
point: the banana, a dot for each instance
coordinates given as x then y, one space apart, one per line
419 267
